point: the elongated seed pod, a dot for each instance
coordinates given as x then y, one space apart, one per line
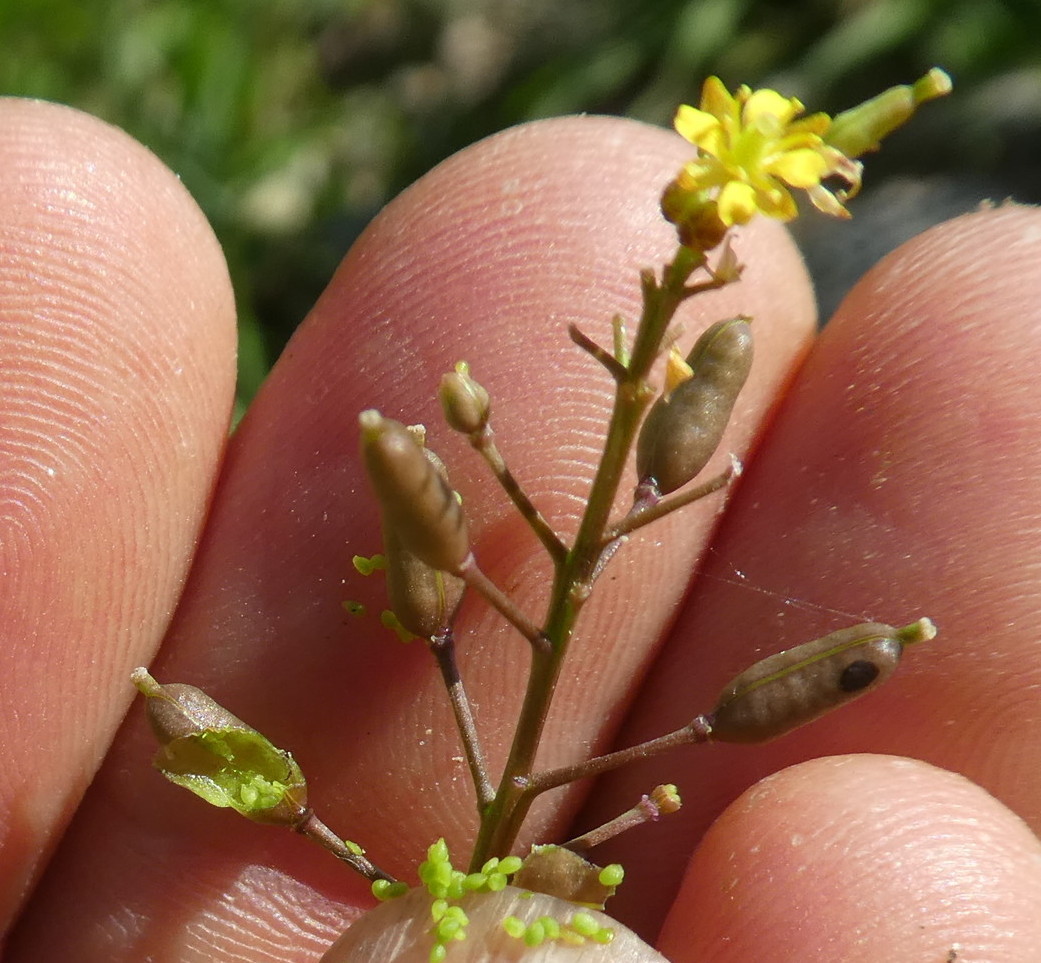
794 687
423 598
416 501
683 430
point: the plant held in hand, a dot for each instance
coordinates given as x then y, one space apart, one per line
754 149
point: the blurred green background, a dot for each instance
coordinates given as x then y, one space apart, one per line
293 121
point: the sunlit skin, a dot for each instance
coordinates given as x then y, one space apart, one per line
897 479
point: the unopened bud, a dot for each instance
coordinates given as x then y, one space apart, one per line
667 798
465 402
862 128
417 502
695 215
206 749
683 429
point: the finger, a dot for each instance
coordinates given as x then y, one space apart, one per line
488 259
861 858
116 374
898 481
399 932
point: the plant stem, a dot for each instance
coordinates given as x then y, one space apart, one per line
314 829
691 734
645 513
573 580
443 649
645 811
483 442
470 572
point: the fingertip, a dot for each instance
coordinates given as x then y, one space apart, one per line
116 376
861 858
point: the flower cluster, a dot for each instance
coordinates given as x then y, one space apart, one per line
754 147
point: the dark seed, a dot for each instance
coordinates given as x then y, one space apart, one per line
858 675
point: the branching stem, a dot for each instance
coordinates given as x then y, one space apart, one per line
648 512
574 578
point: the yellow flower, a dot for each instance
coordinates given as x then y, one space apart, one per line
754 147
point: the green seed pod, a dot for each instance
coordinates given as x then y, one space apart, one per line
417 502
799 685
205 749
465 402
684 428
860 129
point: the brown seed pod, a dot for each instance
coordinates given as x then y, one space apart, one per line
683 430
794 687
423 598
417 503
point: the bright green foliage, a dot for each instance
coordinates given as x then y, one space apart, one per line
237 768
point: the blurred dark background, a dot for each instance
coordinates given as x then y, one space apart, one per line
293 121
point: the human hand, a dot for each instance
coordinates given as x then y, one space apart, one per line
897 480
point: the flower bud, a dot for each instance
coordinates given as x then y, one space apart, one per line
695 215
417 502
791 688
683 429
465 402
218 757
861 129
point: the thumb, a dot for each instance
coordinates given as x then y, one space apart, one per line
399 931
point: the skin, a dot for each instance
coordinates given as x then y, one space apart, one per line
895 476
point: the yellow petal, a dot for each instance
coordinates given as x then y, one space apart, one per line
800 168
777 203
768 103
717 100
737 203
693 124
676 371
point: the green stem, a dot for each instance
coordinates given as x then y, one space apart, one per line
573 580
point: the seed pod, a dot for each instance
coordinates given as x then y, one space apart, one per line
684 428
205 749
423 598
417 502
797 686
